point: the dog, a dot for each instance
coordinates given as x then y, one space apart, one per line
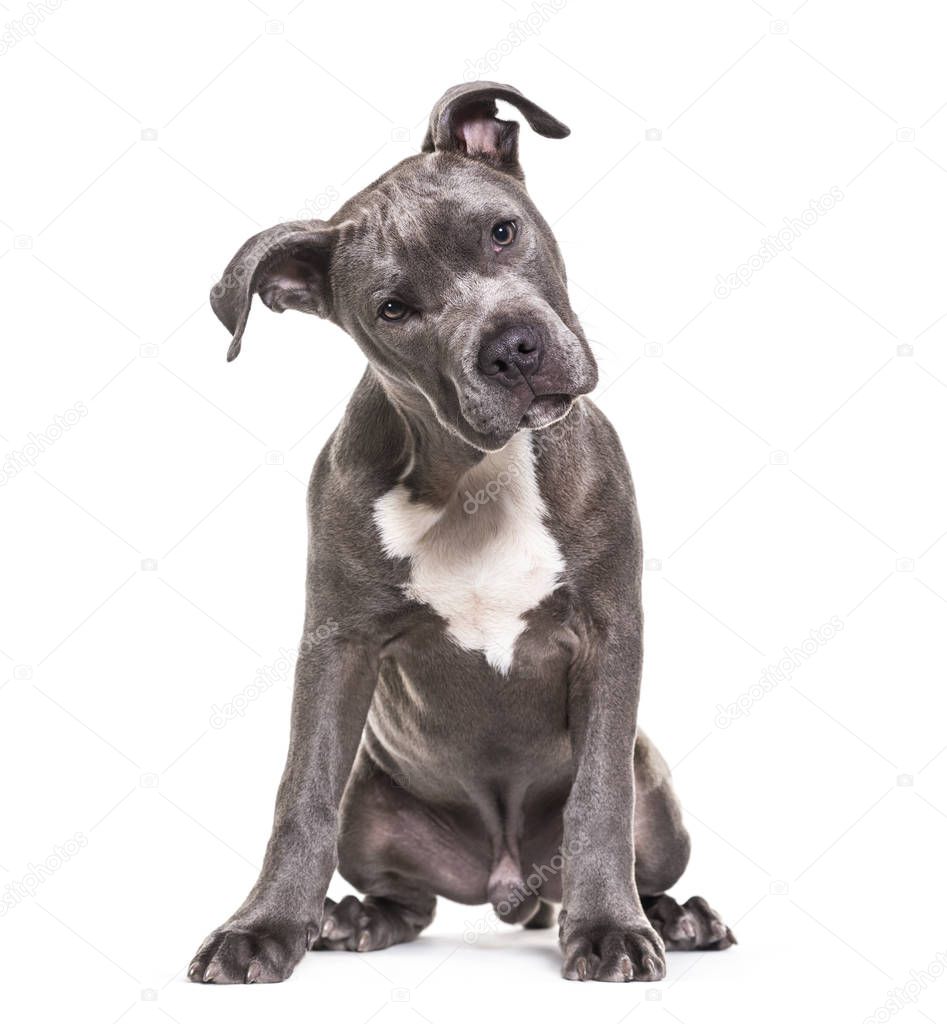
464 718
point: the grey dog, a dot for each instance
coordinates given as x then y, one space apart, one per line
464 717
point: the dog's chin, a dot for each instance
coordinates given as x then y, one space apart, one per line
544 410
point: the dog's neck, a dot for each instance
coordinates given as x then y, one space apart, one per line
433 459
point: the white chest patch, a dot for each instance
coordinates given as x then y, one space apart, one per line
483 560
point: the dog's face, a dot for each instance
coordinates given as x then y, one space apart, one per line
453 285
445 274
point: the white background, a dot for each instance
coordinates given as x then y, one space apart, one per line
787 443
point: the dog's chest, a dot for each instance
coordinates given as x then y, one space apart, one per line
485 559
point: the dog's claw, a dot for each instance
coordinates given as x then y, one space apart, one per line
691 925
611 952
363 926
241 954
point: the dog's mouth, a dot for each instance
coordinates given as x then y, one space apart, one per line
544 410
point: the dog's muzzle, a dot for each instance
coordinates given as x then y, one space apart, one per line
513 355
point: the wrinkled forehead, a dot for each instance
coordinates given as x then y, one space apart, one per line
431 215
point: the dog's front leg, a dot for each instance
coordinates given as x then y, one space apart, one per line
267 936
604 933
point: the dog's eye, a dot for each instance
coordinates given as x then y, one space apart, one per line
503 233
392 309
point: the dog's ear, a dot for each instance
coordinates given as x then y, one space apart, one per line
287 266
464 121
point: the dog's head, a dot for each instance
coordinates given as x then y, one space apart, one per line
445 274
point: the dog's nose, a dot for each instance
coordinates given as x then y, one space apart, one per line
511 355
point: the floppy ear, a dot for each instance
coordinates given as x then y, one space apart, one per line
464 121
287 266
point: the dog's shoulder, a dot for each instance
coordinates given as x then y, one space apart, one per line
586 484
580 456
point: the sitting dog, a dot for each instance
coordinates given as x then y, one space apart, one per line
464 718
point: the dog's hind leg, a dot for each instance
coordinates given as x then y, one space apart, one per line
662 850
691 925
545 916
401 854
375 922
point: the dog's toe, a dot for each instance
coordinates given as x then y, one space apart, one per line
364 925
693 925
243 956
610 951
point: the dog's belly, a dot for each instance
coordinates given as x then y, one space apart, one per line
452 729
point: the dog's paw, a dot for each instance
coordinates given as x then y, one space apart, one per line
243 954
611 951
693 925
367 924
